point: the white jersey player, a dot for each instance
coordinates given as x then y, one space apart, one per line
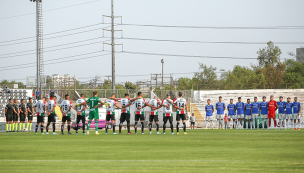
65 108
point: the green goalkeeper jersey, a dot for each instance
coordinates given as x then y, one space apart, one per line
93 101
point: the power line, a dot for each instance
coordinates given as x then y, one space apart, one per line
48 10
53 37
56 62
215 27
56 49
192 56
212 42
52 46
52 59
55 32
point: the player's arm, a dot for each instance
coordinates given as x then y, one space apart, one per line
117 106
299 109
99 105
61 109
113 98
251 110
20 110
53 108
132 100
6 109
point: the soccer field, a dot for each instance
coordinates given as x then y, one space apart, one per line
198 151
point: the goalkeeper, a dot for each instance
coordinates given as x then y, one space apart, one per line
93 102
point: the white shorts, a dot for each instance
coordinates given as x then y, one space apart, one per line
281 116
231 117
264 116
254 116
288 116
240 116
248 117
296 116
220 116
209 118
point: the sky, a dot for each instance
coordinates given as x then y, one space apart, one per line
18 20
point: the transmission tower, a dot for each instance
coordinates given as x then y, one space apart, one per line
39 40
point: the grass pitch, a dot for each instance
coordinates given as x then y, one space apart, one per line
198 151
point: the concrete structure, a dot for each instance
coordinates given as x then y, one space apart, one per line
300 54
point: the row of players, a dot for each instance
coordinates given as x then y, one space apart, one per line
251 111
48 109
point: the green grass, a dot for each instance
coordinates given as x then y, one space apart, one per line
198 151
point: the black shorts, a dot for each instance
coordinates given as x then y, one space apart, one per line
180 116
170 118
192 123
155 117
139 116
9 117
51 118
82 118
110 116
66 118
22 117
30 118
124 117
15 117
40 119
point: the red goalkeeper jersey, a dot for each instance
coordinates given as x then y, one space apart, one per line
272 107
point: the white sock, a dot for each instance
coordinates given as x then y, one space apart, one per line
246 124
263 122
223 123
281 123
258 124
228 124
267 123
251 124
206 124
285 124
211 124
239 124
242 123
218 123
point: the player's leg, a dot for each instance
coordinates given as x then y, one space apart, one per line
107 122
83 124
177 123
77 123
122 119
218 121
156 124
238 121
136 121
299 123
164 125
128 123
142 119
69 125
171 124
229 121
113 124
206 122
62 125
96 118
285 122
151 117
184 123
91 116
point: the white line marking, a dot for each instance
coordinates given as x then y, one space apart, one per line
151 161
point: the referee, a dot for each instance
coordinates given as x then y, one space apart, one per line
9 111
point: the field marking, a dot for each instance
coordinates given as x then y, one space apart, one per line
152 161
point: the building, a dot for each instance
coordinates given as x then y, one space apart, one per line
63 80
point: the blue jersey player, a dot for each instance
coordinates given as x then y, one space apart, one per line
220 108
255 113
209 113
281 106
240 112
288 111
248 109
264 112
231 113
296 113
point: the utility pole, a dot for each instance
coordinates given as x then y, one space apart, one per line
113 46
113 42
39 42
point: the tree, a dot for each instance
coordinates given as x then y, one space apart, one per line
269 55
130 85
206 77
184 83
94 82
